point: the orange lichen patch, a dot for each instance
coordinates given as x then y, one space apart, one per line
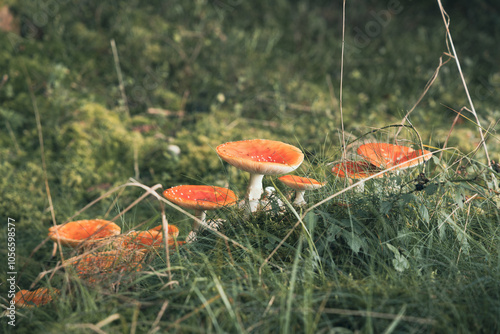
301 183
355 169
200 197
261 156
385 155
41 296
74 233
102 265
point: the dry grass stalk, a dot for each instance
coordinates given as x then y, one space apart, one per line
446 20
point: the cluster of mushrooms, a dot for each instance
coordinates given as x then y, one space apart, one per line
86 236
258 157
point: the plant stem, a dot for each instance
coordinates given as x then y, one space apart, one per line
473 110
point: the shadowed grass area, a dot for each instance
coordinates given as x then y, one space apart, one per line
409 253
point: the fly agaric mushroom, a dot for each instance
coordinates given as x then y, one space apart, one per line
172 230
385 155
260 157
100 266
355 170
148 239
41 296
200 198
75 233
300 184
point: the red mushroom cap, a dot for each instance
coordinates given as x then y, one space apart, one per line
74 233
172 230
385 155
355 169
301 183
200 197
97 267
153 238
261 156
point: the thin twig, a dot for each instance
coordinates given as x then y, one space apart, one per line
13 136
120 77
195 311
108 320
42 153
86 326
112 205
344 152
426 89
136 161
156 186
135 316
164 223
154 326
473 110
459 114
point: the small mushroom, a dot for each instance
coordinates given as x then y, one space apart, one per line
200 198
74 233
148 240
173 230
383 155
355 170
260 157
300 184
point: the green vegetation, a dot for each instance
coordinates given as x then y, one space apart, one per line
196 74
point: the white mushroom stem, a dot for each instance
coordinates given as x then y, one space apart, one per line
254 191
214 224
201 215
299 197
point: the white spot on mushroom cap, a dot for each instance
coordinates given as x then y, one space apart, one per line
260 156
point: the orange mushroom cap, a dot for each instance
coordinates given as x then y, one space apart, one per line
301 183
261 156
200 197
74 233
355 169
172 230
143 239
385 155
152 238
41 296
94 267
